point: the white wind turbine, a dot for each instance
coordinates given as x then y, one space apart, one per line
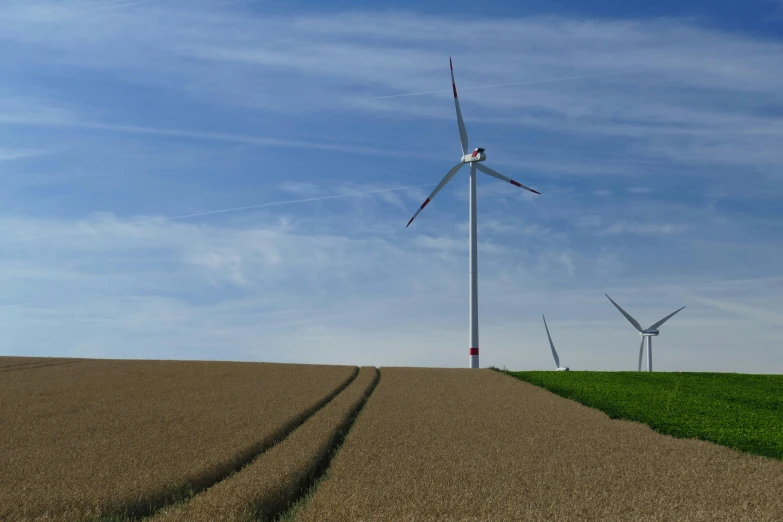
648 333
554 352
474 159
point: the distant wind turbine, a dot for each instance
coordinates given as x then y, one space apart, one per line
648 333
554 352
474 159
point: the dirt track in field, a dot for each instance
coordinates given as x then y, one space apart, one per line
7 361
265 487
97 437
473 445
12 364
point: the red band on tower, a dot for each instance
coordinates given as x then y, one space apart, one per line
474 351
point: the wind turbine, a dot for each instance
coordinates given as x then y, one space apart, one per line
649 333
474 160
554 352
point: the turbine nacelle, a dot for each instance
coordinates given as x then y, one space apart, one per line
478 155
564 369
649 333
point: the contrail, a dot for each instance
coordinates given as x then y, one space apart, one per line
501 85
262 205
236 209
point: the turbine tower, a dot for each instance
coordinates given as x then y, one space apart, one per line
474 160
648 333
554 352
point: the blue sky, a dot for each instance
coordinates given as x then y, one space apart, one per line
660 165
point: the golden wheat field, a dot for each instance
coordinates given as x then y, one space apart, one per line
479 445
166 441
86 438
264 488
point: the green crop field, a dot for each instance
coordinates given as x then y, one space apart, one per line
741 411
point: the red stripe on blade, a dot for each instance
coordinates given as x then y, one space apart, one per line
474 351
455 89
425 202
537 192
515 183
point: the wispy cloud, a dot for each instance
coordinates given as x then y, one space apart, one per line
750 312
656 83
650 229
193 288
14 154
42 120
604 227
534 82
291 187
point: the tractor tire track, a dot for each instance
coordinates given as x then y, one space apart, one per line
146 510
321 471
32 366
145 399
284 474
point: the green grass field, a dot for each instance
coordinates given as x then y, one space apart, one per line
741 411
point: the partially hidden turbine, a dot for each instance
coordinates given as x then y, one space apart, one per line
647 333
474 160
554 352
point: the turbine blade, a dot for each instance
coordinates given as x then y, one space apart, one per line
450 174
496 174
641 351
463 133
633 321
659 323
554 352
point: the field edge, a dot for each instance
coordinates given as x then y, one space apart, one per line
660 427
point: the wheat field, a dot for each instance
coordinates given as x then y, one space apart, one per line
217 441
474 445
92 438
277 477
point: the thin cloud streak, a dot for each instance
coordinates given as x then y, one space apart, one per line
237 209
320 198
749 312
213 136
553 80
112 6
